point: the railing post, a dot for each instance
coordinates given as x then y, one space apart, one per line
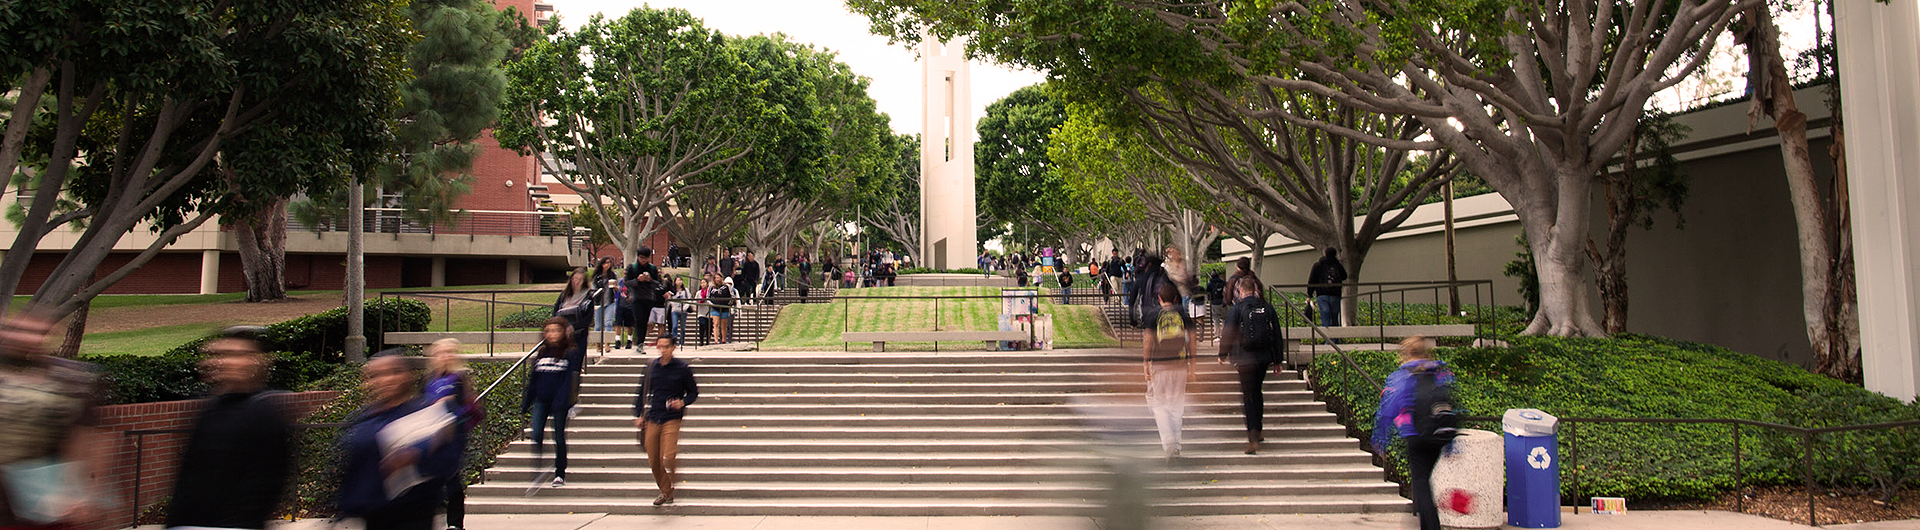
492 299
1573 450
1813 519
1739 474
139 459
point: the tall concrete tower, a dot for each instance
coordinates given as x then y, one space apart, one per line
947 236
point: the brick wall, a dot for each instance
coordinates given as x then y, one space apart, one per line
158 455
492 170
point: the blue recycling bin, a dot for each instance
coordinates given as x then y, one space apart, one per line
1533 469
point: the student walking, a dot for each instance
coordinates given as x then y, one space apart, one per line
549 394
576 305
665 391
1167 351
46 419
748 279
1396 418
370 466
240 451
450 385
722 297
1251 342
644 288
605 279
1066 286
1326 296
677 310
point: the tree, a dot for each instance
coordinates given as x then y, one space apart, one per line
1829 300
1115 167
630 109
1012 172
895 211
147 94
1533 98
454 95
1633 194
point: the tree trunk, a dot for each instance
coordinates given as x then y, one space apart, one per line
262 242
1828 301
356 288
1558 239
1453 275
76 330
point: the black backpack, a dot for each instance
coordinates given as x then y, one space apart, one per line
1145 298
1260 329
1436 417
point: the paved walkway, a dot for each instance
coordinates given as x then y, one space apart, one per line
1648 520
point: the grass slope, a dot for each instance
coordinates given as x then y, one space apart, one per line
1638 376
818 326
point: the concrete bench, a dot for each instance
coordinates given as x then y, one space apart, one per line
1296 335
881 338
465 337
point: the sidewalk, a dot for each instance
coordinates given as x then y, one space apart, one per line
1648 520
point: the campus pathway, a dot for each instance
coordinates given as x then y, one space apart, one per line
1647 520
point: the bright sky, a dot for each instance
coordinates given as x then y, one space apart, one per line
826 24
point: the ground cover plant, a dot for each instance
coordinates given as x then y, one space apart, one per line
1639 376
818 326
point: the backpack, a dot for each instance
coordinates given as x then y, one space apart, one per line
1436 417
1260 329
1145 297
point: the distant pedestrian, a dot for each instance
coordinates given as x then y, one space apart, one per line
1180 272
1251 342
1242 269
748 279
1325 277
605 280
643 287
665 391
548 394
723 297
677 309
395 479
576 305
1114 270
1168 348
450 385
1066 286
1395 418
46 423
240 451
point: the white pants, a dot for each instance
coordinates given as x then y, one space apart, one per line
1167 398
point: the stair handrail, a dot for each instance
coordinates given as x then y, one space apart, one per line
1347 359
509 370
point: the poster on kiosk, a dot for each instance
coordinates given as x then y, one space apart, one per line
1046 261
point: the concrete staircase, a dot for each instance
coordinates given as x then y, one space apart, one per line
949 434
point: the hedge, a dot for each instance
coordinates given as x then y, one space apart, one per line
530 318
176 375
1639 376
325 333
316 484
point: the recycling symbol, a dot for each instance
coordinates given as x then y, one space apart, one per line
1539 458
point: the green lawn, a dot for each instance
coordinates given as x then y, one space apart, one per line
150 341
818 326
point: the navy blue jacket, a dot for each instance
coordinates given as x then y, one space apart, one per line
362 486
551 382
673 380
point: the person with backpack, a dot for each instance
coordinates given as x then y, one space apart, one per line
722 297
548 394
1167 349
1066 287
1148 277
1326 295
1252 343
1417 406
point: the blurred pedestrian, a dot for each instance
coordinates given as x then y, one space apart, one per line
1395 419
398 451
47 440
665 391
450 385
240 451
1167 349
548 394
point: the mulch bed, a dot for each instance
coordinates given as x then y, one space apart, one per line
1789 503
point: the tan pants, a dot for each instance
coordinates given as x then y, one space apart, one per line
663 446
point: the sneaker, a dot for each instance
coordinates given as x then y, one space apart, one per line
558 482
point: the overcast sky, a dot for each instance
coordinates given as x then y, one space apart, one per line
826 24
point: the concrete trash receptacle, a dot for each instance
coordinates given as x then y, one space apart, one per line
1468 479
1533 468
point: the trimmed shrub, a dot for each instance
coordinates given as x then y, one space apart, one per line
325 333
1638 376
531 318
176 375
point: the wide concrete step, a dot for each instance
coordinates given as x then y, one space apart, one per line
719 407
703 368
937 398
938 490
592 385
1195 444
641 474
829 359
818 506
851 377
938 423
625 431
690 461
